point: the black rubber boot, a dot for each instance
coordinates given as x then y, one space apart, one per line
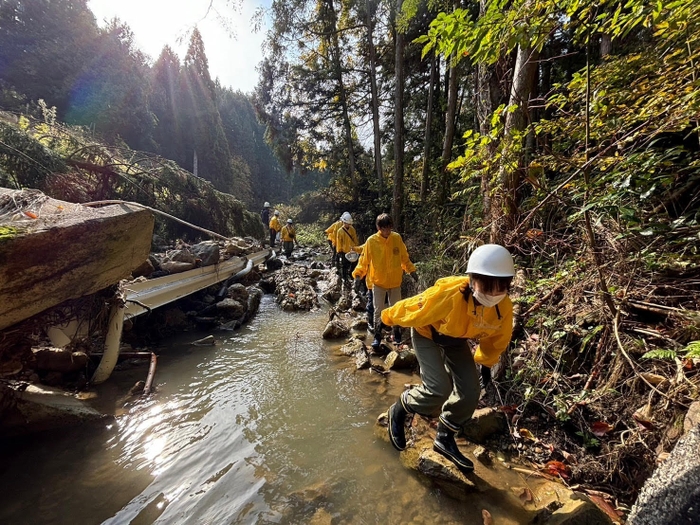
397 421
377 337
397 335
445 445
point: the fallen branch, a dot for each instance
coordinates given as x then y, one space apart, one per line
541 301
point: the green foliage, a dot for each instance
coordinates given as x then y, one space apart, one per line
692 350
24 161
660 354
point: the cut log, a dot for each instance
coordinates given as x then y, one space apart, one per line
66 252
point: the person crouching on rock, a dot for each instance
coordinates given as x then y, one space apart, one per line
442 319
289 237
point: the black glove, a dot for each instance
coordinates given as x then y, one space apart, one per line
485 377
357 284
415 276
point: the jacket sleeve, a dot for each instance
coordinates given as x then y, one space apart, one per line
406 263
490 348
424 309
362 264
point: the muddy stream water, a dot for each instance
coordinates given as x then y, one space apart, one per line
269 426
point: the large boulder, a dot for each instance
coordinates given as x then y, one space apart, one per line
207 252
35 408
672 494
231 309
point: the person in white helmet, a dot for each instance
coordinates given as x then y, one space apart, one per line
288 234
442 319
265 216
275 227
346 242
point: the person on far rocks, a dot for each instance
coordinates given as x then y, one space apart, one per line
275 227
442 320
289 237
330 234
386 257
345 244
265 216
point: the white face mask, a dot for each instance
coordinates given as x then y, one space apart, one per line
488 300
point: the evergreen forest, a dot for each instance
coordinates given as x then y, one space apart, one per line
566 130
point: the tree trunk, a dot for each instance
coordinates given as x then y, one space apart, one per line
371 10
428 127
505 213
397 201
342 94
452 92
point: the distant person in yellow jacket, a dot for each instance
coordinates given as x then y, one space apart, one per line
442 319
275 227
288 235
330 235
345 243
386 257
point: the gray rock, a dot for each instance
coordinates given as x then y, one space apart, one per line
362 359
207 252
254 297
144 269
692 417
176 266
231 308
183 255
352 347
484 423
335 329
59 359
38 408
404 359
238 292
672 494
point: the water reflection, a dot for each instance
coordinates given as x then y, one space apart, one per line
269 426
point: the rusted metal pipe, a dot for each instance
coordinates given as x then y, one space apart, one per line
151 375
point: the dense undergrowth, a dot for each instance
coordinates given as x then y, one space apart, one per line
67 163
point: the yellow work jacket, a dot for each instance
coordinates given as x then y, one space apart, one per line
330 231
288 233
275 223
443 307
387 258
345 239
368 278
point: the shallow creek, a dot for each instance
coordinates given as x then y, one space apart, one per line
269 426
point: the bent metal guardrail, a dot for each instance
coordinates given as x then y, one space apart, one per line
147 295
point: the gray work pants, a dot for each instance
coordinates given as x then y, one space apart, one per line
379 298
451 393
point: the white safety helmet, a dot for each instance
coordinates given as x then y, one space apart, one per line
276 212
290 221
266 205
491 259
346 218
352 256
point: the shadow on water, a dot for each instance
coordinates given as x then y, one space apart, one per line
269 426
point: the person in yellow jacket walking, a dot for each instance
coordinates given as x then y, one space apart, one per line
288 235
345 243
330 235
442 319
386 258
275 227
